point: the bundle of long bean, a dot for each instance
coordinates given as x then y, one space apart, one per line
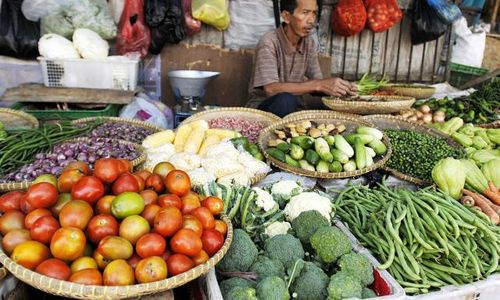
425 239
21 146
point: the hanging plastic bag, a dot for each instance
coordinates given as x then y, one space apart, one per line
426 24
468 47
18 36
134 35
382 14
33 10
144 109
166 21
348 17
211 12
191 25
448 12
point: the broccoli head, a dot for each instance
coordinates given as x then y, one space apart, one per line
227 285
263 266
357 265
242 293
330 243
272 287
285 248
311 284
344 285
368 293
306 224
240 255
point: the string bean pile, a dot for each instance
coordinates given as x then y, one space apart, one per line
425 239
21 146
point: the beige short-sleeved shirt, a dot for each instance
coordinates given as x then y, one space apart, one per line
276 60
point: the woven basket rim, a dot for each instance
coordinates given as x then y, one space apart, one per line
431 131
369 107
19 113
411 87
24 185
312 112
79 291
315 174
271 118
120 120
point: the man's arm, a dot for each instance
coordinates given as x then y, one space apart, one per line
329 86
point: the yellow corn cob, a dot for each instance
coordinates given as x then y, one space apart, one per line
194 140
223 133
210 140
199 124
159 139
181 137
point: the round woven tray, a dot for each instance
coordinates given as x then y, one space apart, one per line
24 185
16 119
138 123
80 291
384 122
251 114
369 105
493 125
321 117
301 113
415 91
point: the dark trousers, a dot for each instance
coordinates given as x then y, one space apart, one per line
280 104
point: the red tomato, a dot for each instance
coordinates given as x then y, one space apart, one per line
186 242
89 189
14 238
54 268
87 277
155 183
11 220
118 273
214 204
100 260
125 165
205 216
163 168
81 166
167 200
190 203
62 200
151 269
43 229
25 206
212 241
68 179
107 169
179 263
144 174
149 196
30 254
125 183
141 182
41 194
134 260
11 201
101 226
177 182
68 243
167 221
200 258
82 263
35 215
221 227
149 213
191 222
151 244
76 213
103 205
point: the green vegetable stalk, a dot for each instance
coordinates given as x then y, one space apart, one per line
449 175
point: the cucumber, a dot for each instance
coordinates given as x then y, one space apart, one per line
292 162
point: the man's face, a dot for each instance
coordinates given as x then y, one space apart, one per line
303 19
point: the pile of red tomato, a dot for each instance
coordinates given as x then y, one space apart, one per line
111 226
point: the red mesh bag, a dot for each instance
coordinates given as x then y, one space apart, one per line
348 17
382 14
133 34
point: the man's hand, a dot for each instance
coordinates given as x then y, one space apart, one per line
336 87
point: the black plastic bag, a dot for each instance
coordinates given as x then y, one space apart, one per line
426 24
166 22
18 36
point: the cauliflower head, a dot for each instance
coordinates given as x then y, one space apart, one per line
308 201
264 199
185 161
200 176
283 190
276 228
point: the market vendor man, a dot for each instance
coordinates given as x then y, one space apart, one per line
286 64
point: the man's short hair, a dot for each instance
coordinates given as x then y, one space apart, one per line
288 5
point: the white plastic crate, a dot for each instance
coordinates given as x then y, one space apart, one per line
210 286
14 72
114 72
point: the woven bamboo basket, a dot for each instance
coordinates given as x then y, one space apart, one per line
301 113
415 91
369 105
24 185
16 119
80 291
251 114
326 117
138 123
384 122
493 125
